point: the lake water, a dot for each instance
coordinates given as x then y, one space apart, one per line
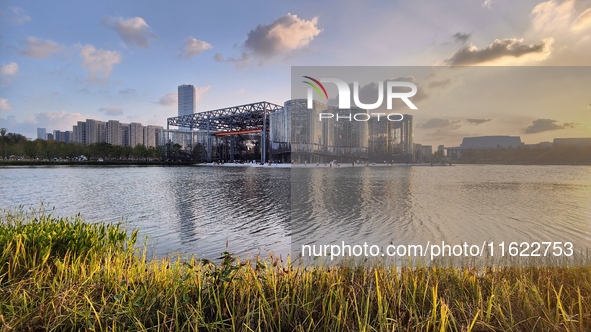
198 210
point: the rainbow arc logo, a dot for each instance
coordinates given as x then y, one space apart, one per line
316 86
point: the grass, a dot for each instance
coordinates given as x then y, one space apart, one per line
68 275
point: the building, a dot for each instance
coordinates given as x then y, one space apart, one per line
427 152
296 133
125 134
484 143
489 142
95 131
152 136
41 133
62 136
79 133
186 99
572 141
136 134
114 132
325 133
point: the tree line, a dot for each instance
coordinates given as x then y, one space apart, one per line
18 146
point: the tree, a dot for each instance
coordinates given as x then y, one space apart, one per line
199 153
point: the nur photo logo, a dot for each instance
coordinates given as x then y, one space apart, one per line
344 96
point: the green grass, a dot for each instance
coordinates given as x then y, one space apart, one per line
69 275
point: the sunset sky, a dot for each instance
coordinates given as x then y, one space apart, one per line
66 61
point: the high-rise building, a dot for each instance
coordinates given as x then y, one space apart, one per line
95 131
152 136
61 136
136 134
125 134
186 99
114 132
41 133
79 132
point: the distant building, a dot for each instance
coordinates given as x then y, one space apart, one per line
41 133
418 152
136 134
482 143
79 133
49 136
125 134
489 142
152 136
95 131
427 152
62 136
186 99
113 132
572 141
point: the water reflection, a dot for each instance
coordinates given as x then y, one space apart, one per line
414 205
198 209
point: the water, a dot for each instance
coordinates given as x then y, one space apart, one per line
198 210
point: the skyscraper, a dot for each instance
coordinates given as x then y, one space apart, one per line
41 133
186 99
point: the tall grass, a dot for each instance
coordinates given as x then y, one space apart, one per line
69 275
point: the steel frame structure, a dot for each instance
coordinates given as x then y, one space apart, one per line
248 117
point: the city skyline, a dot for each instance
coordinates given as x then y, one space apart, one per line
93 131
125 61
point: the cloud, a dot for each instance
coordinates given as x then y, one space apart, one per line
281 37
10 69
40 49
441 123
583 21
54 120
478 121
551 15
15 15
111 110
242 61
500 49
134 31
169 99
200 91
127 91
4 105
587 107
542 125
99 62
462 37
487 4
192 47
439 84
51 120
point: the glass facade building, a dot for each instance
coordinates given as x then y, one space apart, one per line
186 99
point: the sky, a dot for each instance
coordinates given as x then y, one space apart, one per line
67 61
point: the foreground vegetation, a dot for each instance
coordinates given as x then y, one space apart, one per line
67 274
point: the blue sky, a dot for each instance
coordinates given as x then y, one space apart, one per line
64 61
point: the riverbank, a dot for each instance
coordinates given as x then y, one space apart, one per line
67 274
316 165
95 163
